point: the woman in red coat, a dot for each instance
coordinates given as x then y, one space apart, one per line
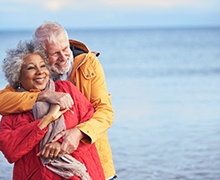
26 138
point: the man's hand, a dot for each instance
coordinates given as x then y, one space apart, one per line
64 100
71 139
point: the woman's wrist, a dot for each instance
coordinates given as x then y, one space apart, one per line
47 119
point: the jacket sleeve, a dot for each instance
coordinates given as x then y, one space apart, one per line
14 143
103 117
16 102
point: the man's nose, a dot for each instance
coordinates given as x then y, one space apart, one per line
62 56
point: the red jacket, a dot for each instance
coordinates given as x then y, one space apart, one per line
20 137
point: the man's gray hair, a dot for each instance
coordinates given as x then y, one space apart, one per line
12 64
48 32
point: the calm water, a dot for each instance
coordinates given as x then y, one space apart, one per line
165 92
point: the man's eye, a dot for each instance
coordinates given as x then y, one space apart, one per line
54 54
66 49
43 66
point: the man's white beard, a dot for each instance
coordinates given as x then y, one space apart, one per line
55 72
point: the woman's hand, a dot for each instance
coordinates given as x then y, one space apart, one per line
51 116
50 150
55 112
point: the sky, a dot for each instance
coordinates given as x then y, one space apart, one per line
78 14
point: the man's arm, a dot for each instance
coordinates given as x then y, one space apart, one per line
15 102
103 117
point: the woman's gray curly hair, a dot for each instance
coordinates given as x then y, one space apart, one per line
14 59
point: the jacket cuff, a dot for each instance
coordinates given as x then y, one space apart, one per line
87 130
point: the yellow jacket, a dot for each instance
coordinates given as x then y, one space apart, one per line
88 76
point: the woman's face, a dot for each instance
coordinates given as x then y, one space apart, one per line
34 73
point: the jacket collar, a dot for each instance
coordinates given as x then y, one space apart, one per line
78 47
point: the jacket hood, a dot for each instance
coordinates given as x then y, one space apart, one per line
78 48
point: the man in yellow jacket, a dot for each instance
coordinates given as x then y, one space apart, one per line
71 60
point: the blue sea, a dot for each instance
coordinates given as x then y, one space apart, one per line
165 87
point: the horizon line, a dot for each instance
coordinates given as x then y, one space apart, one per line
123 28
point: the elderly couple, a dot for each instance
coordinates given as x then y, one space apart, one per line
56 109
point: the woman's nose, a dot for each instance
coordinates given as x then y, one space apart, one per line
39 70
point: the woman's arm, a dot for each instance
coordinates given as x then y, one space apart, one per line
16 142
52 115
18 137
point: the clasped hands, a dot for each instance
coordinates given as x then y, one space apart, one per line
71 139
60 103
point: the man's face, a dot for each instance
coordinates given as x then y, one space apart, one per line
58 53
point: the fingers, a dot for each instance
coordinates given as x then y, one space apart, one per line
64 149
56 112
51 150
63 99
38 154
53 153
58 136
68 147
71 140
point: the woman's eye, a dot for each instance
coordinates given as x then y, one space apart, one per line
43 66
30 68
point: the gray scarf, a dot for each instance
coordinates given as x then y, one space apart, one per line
40 109
64 165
